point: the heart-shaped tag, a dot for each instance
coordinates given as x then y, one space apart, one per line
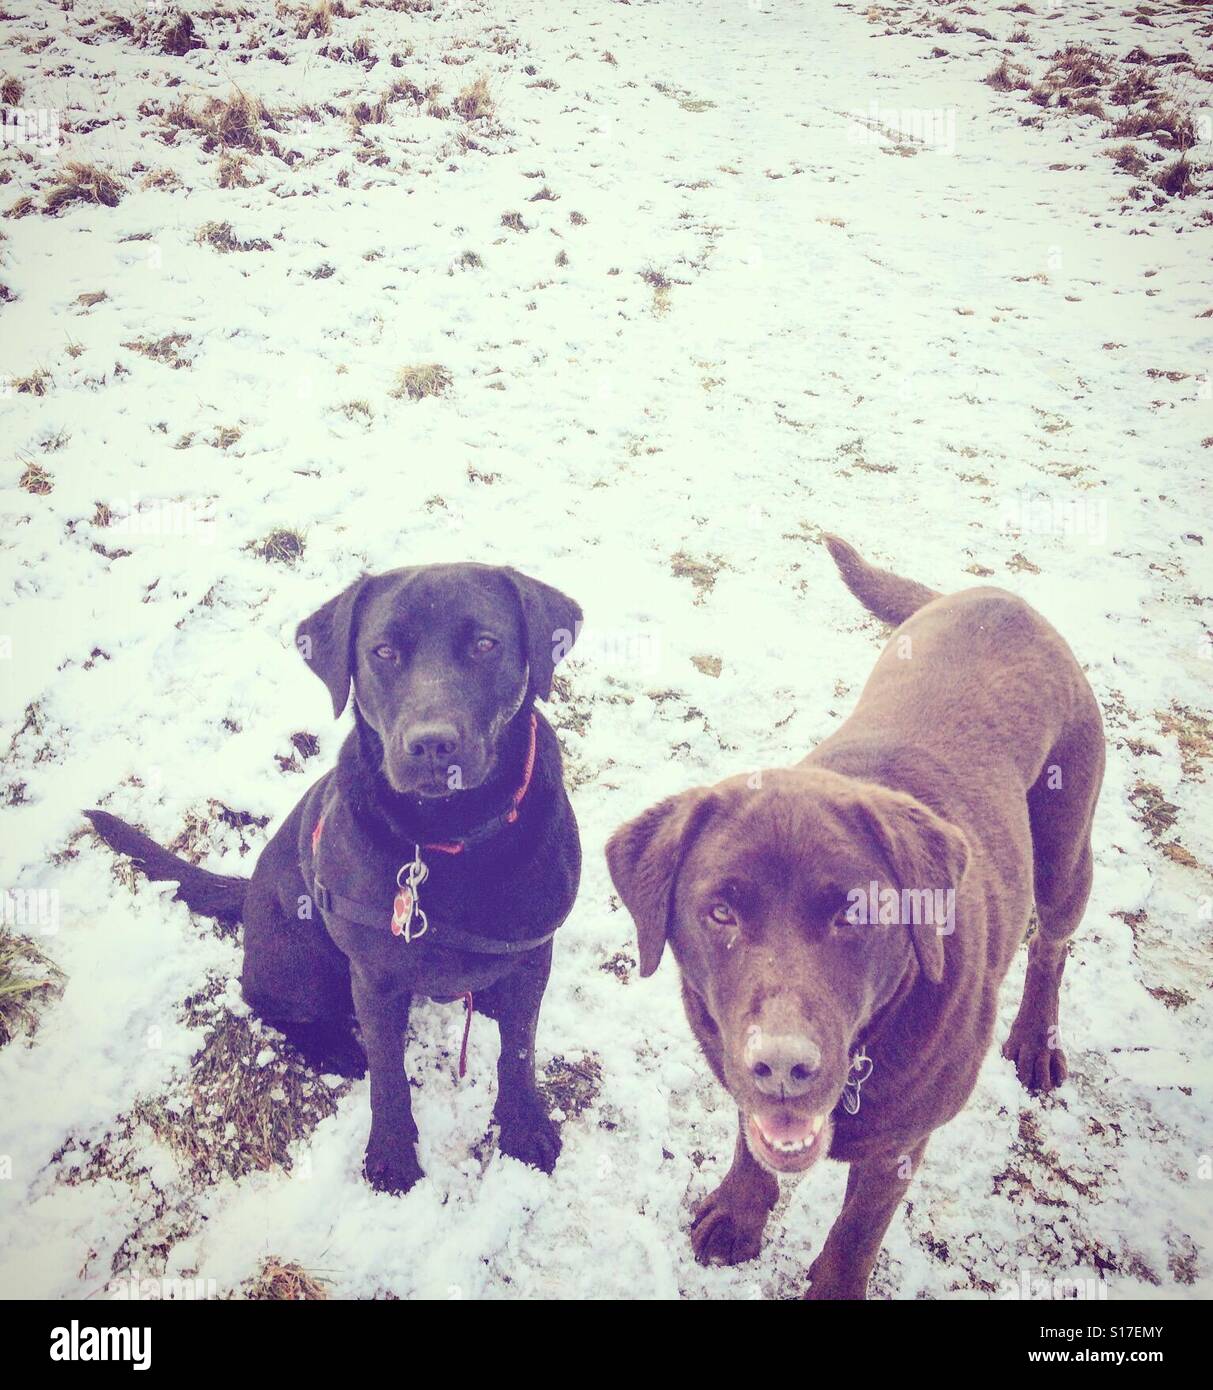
402 911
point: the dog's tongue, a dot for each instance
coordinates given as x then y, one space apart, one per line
782 1127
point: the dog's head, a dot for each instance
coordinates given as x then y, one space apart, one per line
765 895
442 658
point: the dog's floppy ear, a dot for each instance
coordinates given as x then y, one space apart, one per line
644 857
550 621
324 641
927 855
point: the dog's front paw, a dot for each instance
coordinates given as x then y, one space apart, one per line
726 1230
831 1285
391 1165
1038 1066
528 1134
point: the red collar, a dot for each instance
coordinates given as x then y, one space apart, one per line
489 828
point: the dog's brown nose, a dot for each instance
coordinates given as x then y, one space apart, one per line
431 741
784 1064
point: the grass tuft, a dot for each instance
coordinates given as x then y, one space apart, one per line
162 349
36 384
1128 160
27 979
83 183
221 236
475 101
238 122
284 546
284 1282
1176 180
35 480
1008 77
418 382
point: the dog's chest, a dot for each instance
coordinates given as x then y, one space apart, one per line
391 919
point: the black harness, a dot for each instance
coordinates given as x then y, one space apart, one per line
452 937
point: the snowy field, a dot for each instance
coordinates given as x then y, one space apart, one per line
693 280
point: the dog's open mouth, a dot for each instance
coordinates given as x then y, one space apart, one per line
787 1143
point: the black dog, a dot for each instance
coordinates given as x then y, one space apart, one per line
441 852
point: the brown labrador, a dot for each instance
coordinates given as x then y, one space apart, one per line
842 926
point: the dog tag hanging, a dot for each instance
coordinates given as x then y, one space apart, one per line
861 1069
408 919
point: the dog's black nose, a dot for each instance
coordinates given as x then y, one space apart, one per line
432 741
785 1064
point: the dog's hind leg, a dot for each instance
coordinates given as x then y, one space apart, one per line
1061 805
294 977
299 983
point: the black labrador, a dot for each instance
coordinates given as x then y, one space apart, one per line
437 858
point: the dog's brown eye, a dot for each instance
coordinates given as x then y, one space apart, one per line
384 652
485 644
721 914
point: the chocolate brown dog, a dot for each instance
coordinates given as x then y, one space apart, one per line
842 926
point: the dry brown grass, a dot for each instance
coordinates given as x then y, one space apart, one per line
245 1102
27 978
77 182
172 32
1193 731
222 237
1162 122
316 21
402 89
702 573
661 285
1078 66
475 101
162 350
283 1281
36 384
418 382
1177 179
1128 159
12 89
35 480
226 436
233 172
237 123
164 179
1134 87
285 546
572 1087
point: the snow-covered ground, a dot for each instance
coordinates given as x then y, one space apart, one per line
771 270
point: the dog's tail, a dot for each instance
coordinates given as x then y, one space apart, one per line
890 597
220 896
